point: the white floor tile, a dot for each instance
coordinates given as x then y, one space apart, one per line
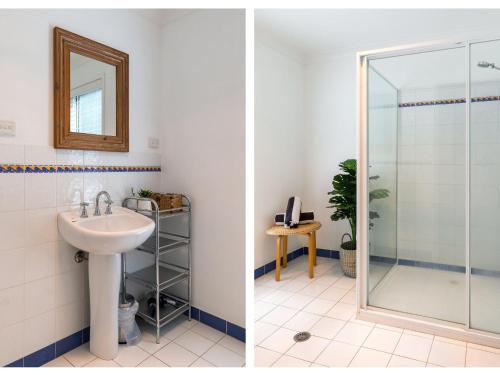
222 357
354 334
287 361
327 328
172 331
265 357
345 283
98 362
319 306
297 301
263 331
152 361
313 289
233 344
397 361
279 316
80 356
342 311
414 347
481 358
382 340
200 362
447 355
333 293
175 355
295 285
370 358
302 321
58 362
277 296
194 342
349 298
130 356
308 350
280 341
208 332
337 354
148 342
262 308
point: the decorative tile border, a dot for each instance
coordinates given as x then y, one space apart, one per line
29 168
57 349
449 101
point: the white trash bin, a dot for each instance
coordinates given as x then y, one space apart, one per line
128 330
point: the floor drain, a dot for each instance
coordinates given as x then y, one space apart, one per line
302 336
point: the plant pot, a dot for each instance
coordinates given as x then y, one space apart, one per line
348 258
144 205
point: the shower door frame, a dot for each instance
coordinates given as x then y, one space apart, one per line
386 316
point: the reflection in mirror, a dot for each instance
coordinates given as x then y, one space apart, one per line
92 96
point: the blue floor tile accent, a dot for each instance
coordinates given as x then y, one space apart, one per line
236 331
40 357
69 343
195 313
213 321
18 363
436 266
85 335
259 272
380 259
482 272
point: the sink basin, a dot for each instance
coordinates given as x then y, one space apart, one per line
121 231
105 237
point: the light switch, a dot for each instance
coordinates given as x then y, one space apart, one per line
153 142
7 128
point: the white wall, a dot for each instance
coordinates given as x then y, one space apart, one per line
203 128
280 142
43 292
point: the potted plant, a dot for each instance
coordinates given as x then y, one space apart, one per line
144 204
343 199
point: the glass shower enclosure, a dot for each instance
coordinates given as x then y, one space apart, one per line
429 135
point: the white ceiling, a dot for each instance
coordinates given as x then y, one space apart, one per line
162 17
313 32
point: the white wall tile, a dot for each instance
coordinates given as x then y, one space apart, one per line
12 230
40 190
69 287
41 226
12 339
69 189
40 261
38 332
12 302
11 154
39 296
37 155
11 267
69 157
69 319
11 191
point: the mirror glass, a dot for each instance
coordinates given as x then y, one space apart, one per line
92 96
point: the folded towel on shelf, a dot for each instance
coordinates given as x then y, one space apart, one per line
305 217
292 214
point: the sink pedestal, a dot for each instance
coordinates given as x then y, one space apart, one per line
104 283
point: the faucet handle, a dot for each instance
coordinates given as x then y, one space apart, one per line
108 211
84 205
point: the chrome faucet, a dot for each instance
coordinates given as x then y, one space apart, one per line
108 201
84 214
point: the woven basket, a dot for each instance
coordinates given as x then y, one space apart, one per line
176 201
348 257
164 201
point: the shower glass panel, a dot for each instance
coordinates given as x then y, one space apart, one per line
485 186
382 136
421 162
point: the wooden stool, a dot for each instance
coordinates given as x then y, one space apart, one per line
282 234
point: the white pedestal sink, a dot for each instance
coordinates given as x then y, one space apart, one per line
105 237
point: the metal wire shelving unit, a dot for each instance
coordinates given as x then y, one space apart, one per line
164 273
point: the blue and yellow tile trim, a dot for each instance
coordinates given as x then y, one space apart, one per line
29 168
449 101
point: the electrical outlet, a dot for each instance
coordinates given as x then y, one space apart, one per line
7 128
153 142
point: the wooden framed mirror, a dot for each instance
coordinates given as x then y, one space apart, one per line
90 94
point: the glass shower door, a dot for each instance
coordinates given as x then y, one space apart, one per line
485 186
382 185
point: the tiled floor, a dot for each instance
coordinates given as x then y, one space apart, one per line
325 306
183 344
